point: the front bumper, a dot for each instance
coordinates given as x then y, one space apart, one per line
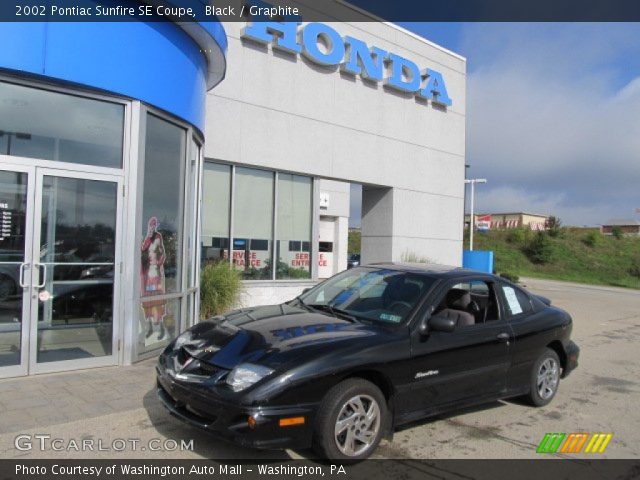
573 352
200 407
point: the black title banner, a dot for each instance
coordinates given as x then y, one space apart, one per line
585 469
320 10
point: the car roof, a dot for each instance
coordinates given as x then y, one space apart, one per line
430 269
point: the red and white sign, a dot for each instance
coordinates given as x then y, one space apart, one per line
325 264
301 260
255 259
483 222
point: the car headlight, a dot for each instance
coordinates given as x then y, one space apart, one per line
182 339
245 375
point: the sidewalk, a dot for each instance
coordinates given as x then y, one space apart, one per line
102 404
43 400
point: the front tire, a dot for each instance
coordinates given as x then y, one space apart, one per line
351 421
545 378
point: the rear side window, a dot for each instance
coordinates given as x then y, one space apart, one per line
516 301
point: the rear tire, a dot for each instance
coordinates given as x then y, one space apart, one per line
545 378
351 421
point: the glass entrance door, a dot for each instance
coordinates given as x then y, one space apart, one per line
59 266
16 205
74 277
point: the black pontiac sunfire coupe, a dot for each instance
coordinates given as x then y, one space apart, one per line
374 347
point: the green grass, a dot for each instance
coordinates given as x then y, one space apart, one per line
577 255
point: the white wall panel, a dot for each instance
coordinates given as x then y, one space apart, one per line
283 112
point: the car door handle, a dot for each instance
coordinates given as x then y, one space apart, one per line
504 337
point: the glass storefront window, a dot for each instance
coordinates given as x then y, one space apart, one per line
293 227
161 242
216 206
49 125
170 323
253 223
252 219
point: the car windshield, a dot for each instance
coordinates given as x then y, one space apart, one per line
379 295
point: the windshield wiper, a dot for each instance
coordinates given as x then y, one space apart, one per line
300 302
336 312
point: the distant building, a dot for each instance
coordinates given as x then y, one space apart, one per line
627 227
504 221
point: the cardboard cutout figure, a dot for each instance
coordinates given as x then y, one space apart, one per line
152 278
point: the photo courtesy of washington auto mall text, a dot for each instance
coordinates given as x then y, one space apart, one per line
124 469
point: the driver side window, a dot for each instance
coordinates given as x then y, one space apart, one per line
472 302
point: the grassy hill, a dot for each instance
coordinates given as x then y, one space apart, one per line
573 254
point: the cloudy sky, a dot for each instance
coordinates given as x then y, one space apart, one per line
553 116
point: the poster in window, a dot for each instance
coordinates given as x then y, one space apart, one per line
152 282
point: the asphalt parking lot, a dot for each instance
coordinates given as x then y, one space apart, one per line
602 395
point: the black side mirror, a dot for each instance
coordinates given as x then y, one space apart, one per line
305 290
442 324
423 326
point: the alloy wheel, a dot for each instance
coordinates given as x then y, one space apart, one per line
548 378
357 425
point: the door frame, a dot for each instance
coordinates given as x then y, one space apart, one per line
25 341
65 365
37 169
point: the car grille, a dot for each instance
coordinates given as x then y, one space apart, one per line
204 368
193 368
182 356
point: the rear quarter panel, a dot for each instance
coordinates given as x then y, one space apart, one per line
532 334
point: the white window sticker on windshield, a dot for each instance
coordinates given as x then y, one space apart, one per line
390 318
512 300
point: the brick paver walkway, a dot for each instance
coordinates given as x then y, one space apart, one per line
42 400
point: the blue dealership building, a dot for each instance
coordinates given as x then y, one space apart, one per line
133 152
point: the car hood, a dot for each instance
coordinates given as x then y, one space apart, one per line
272 336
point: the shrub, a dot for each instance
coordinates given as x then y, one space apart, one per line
413 257
616 232
634 269
540 249
219 289
554 226
517 236
354 241
592 239
512 277
285 271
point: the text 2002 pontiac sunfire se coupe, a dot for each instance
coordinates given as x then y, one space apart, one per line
374 347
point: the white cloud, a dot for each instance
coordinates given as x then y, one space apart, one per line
549 121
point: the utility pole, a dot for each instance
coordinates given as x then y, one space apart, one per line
472 222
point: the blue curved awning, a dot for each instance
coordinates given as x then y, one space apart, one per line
169 65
